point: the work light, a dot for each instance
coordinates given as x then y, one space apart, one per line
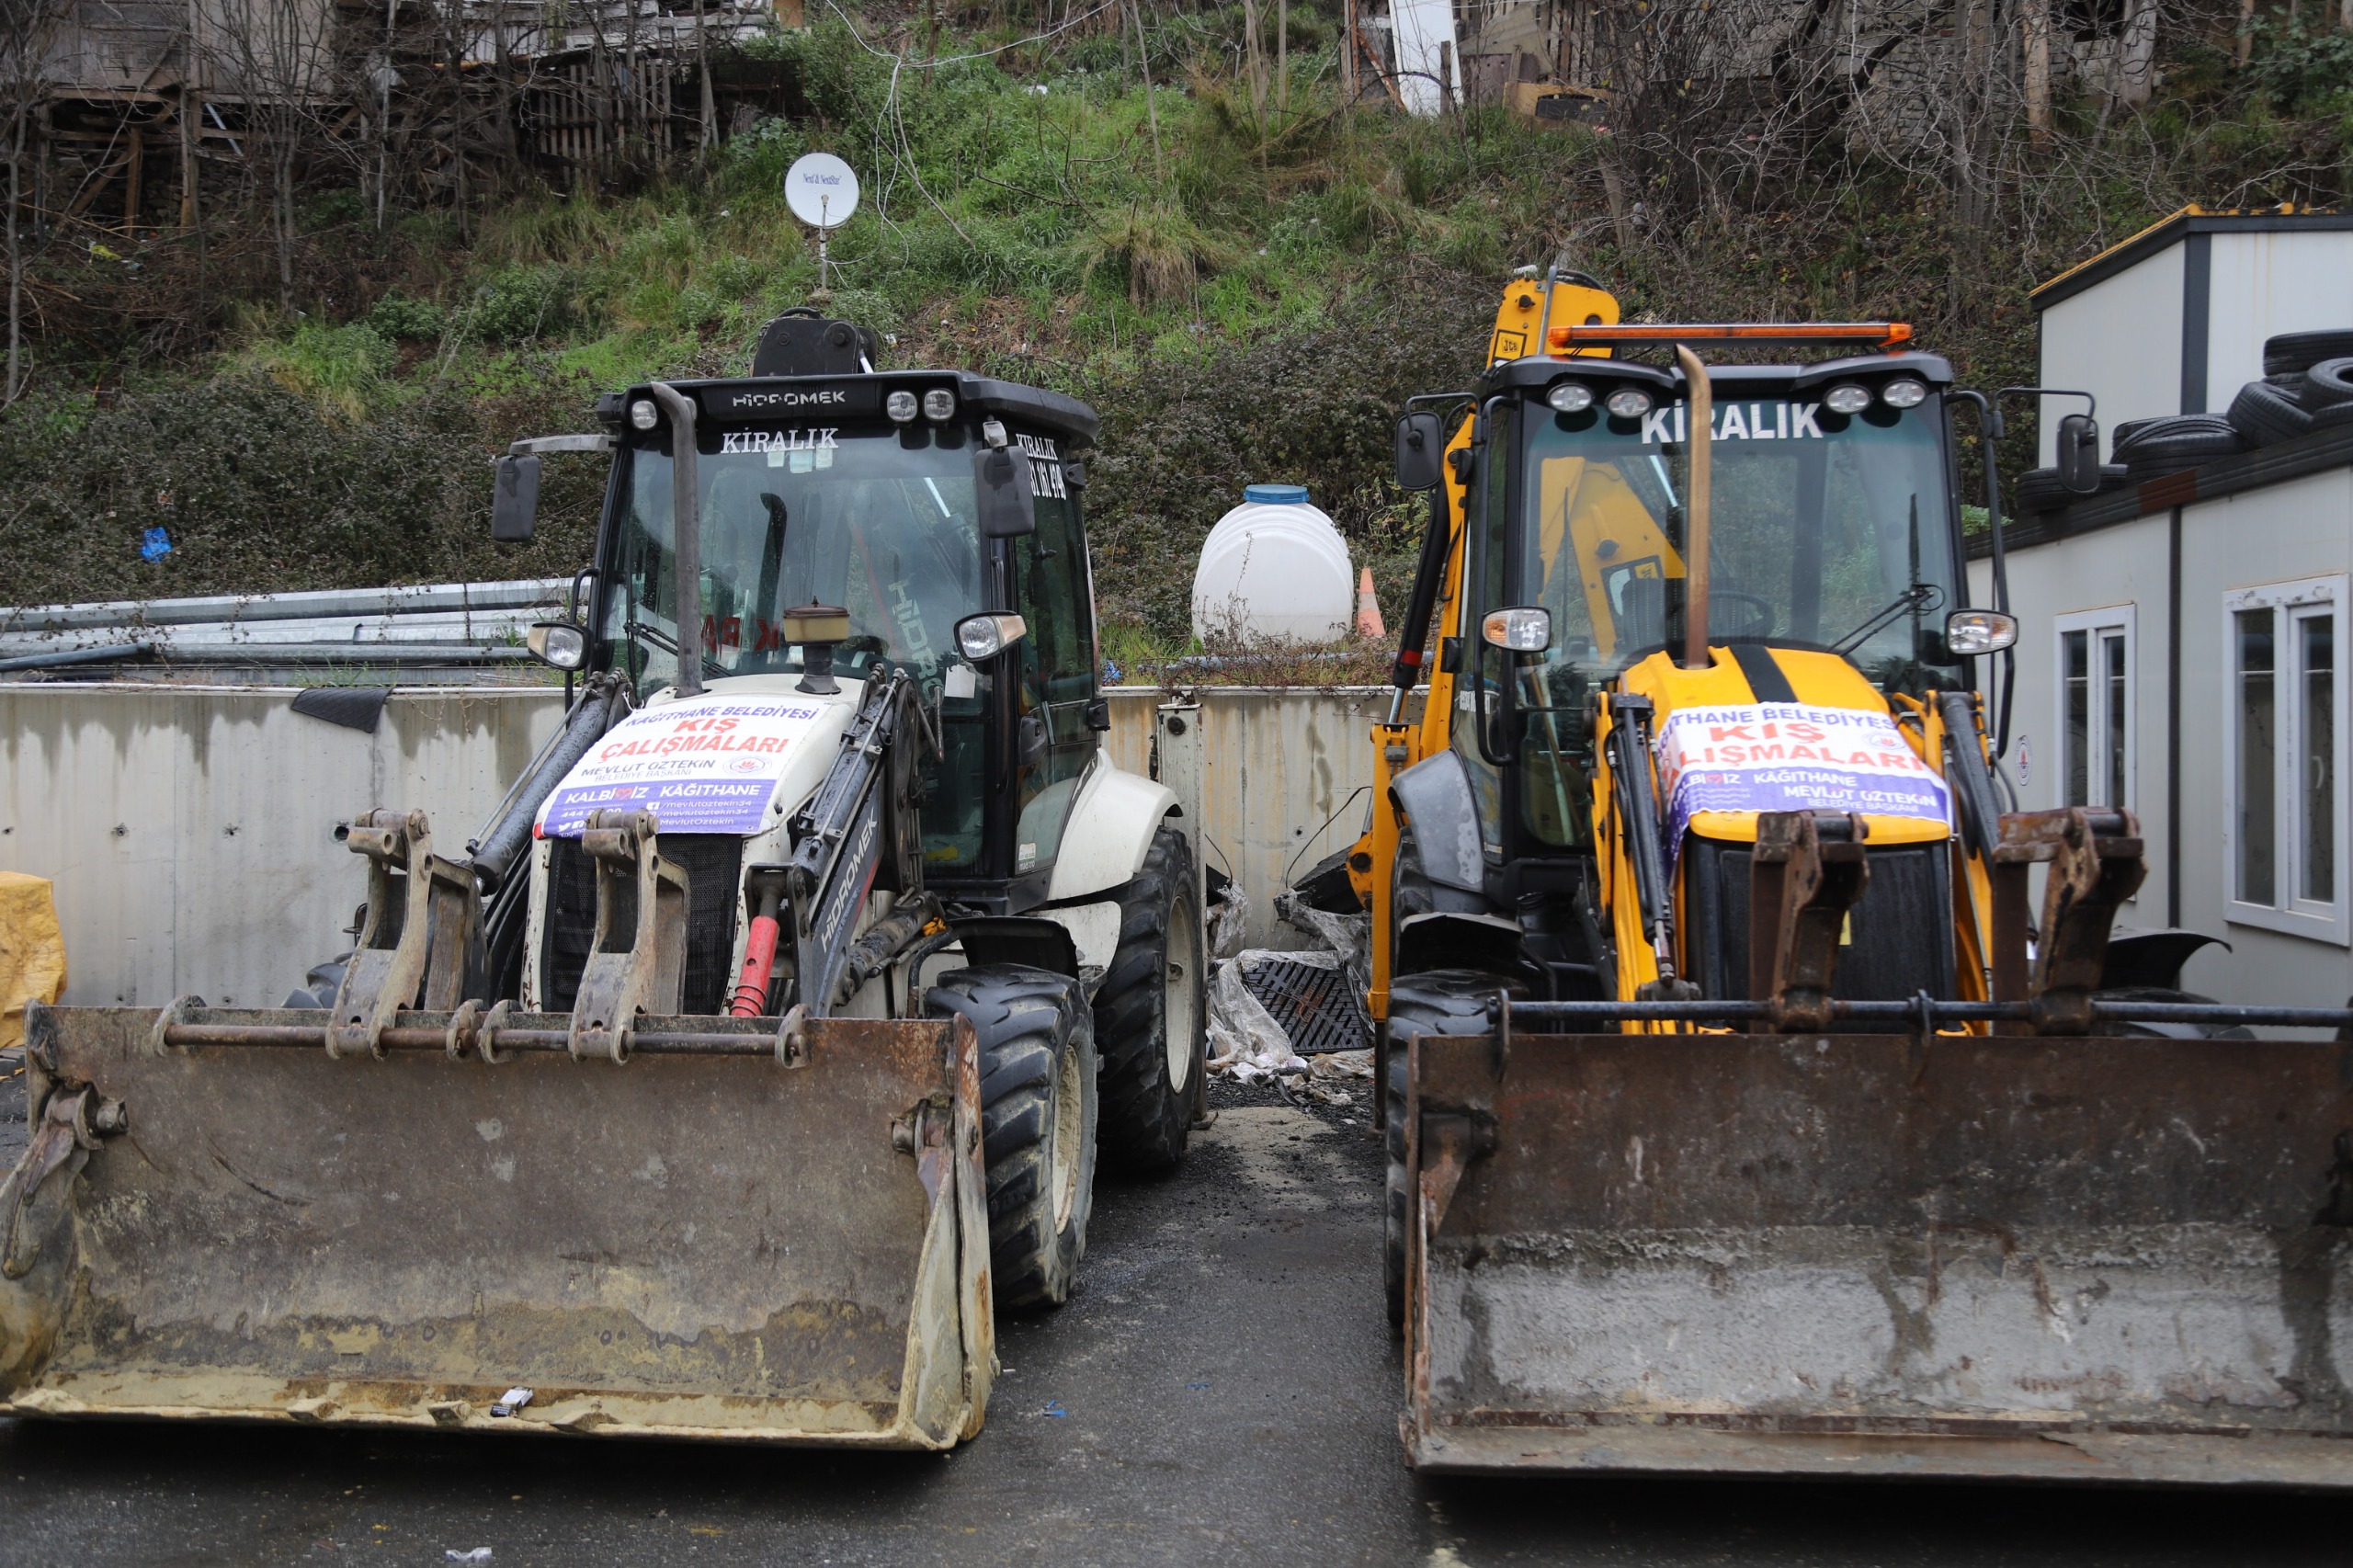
938 403
1847 398
900 405
1628 402
1904 392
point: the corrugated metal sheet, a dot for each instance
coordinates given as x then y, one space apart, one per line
475 614
190 830
1288 772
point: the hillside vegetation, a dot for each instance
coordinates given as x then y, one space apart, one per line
1244 276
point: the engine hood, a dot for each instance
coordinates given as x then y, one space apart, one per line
735 759
1783 728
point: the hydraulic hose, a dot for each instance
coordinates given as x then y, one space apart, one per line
1429 574
496 849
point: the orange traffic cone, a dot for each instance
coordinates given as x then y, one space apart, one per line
1369 608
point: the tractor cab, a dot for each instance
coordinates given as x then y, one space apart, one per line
937 510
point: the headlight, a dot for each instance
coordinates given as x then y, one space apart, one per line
979 637
1628 402
643 414
938 403
1904 392
1847 398
1517 631
557 642
1570 397
1973 632
900 406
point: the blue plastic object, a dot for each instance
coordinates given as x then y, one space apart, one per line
1275 494
154 544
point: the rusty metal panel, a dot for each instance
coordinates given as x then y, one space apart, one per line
190 830
2096 1258
1287 777
695 1245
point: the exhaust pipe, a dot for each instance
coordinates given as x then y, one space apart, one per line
1695 510
687 531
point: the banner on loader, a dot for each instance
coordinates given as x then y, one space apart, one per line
1790 757
707 764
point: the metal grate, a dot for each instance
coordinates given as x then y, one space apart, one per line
713 864
1316 1006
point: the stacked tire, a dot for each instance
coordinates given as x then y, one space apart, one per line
2152 448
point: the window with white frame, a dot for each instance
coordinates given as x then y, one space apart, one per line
2284 756
2095 719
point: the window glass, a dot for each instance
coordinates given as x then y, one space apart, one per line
1490 517
1058 667
2077 675
2113 710
2256 761
2316 776
881 521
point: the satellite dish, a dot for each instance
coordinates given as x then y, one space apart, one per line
822 190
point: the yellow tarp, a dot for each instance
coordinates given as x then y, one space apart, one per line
32 950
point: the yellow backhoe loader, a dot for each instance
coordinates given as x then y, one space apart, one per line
1749 1110
755 1054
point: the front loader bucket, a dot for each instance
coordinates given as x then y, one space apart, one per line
2071 1259
734 1233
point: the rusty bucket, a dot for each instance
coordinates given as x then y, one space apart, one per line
1930 1254
736 1233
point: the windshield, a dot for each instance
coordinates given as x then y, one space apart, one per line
1826 532
881 522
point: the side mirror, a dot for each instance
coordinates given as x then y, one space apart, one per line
1005 498
557 642
514 500
1421 441
2079 453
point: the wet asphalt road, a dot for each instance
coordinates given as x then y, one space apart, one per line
1221 1392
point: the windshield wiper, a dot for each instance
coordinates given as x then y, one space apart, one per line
1919 598
635 629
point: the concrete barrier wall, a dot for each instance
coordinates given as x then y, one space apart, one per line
1288 776
190 830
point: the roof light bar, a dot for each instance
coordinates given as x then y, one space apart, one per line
1884 334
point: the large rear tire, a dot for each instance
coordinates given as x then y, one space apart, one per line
1038 1113
1441 1000
1151 1013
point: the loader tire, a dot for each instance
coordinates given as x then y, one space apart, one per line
1151 1013
1038 1111
1441 1000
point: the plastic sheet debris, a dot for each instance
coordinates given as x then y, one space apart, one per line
1228 914
511 1401
1054 1408
479 1554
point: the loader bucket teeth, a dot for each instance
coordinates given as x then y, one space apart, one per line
698 1242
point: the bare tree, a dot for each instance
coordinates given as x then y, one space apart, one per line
27 30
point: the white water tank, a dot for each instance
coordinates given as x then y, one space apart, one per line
1274 566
